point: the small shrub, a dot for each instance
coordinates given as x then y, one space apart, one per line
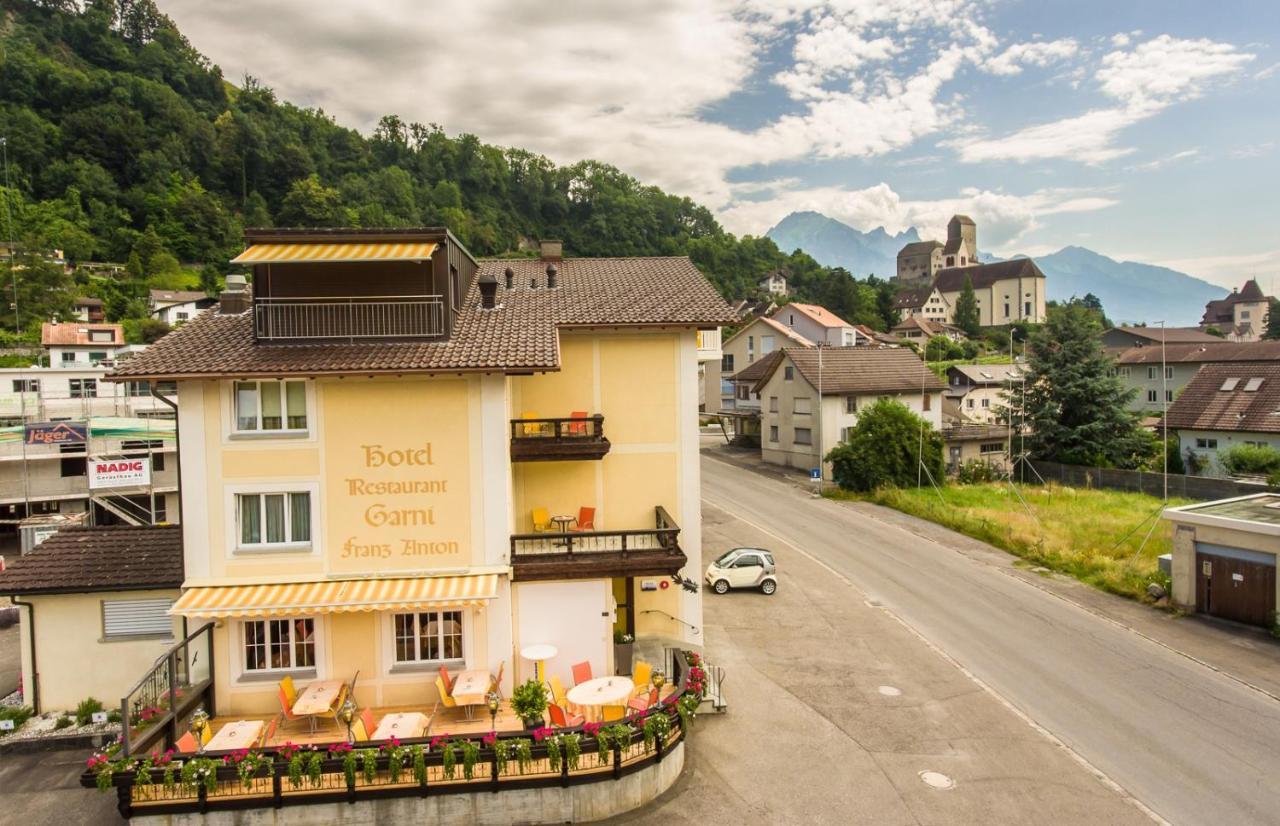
977 471
63 722
113 716
85 711
18 714
1250 460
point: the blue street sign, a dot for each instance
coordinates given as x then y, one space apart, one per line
815 473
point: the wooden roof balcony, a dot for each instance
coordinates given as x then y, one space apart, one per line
599 554
558 440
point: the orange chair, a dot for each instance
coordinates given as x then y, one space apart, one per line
586 519
186 744
578 428
269 732
495 684
581 673
286 710
643 703
614 713
366 717
562 718
448 681
359 731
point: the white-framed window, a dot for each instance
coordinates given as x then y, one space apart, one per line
773 433
801 405
284 644
851 404
773 404
1123 372
985 402
100 336
428 637
1151 373
1168 396
273 519
788 373
803 436
125 618
1153 396
83 388
1168 372
269 406
26 385
968 403
1207 444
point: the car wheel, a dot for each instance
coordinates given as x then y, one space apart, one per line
768 587
721 586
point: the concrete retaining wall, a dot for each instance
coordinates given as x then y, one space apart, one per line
575 804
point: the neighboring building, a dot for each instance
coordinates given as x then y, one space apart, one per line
798 424
79 344
775 283
976 443
753 341
1224 558
918 261
818 324
709 355
1241 316
57 394
1223 406
362 501
922 302
95 611
1120 338
921 261
1007 292
920 330
749 308
744 419
975 392
89 309
866 335
1157 375
175 307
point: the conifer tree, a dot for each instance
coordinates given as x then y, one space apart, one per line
966 317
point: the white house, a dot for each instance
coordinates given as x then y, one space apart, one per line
174 307
819 325
1225 406
78 344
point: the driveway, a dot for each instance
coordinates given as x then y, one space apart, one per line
43 789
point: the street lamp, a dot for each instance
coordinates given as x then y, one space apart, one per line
199 722
346 714
493 701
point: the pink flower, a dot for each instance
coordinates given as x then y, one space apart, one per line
490 738
541 733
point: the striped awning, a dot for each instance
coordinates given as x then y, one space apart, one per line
334 253
337 596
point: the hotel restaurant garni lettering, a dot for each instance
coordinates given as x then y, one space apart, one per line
399 503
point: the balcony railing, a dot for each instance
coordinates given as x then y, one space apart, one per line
592 554
543 440
157 706
349 317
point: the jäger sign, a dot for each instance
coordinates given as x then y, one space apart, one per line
119 473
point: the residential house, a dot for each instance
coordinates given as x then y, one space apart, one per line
744 419
811 397
1241 316
1223 406
175 307
866 335
1157 375
921 261
377 497
975 392
749 308
1121 338
94 606
920 329
967 442
818 324
753 341
88 309
59 394
79 344
775 283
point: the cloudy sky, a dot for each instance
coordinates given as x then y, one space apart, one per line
1143 129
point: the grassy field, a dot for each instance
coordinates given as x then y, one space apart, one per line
1071 530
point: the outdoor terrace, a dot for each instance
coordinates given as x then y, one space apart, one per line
349 318
545 440
592 554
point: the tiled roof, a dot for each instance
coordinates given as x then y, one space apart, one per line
757 369
118 558
933 328
1221 311
819 314
1250 403
1172 335
989 373
177 296
1203 353
919 248
951 280
974 432
912 299
519 335
77 332
774 325
860 370
85 301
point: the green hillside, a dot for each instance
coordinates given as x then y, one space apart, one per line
125 144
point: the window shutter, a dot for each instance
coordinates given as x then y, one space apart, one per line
136 617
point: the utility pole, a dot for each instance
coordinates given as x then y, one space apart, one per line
1164 418
8 219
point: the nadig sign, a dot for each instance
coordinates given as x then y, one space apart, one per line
119 473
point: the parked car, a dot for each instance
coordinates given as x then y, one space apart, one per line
743 568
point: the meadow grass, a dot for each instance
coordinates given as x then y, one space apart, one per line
1075 531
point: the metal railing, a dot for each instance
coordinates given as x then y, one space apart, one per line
348 317
157 705
664 536
580 429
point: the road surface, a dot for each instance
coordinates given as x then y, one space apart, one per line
1192 744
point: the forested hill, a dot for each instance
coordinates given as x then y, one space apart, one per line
126 144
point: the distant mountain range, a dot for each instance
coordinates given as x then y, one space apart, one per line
1129 291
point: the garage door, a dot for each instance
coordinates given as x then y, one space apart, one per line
1235 583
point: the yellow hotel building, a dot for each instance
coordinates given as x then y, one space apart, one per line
395 457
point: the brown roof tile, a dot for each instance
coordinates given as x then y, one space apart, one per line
1205 405
119 558
1203 353
951 280
519 335
1171 335
77 332
860 370
757 369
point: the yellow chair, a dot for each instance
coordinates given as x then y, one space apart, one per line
641 675
358 730
206 735
558 692
531 428
290 693
613 713
541 520
337 704
444 694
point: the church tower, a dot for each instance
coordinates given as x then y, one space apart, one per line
962 242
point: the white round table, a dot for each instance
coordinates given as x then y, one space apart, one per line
602 691
539 653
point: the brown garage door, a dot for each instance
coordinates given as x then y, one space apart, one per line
1237 589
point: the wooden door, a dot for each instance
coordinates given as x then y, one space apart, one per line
1235 589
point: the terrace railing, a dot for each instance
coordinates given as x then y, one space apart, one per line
535 440
582 554
158 705
349 318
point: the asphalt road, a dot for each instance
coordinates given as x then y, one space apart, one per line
1190 743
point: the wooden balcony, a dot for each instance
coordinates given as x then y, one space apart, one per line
349 318
599 554
558 440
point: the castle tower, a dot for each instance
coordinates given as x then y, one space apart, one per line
962 242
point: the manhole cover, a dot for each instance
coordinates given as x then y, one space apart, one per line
937 780
890 691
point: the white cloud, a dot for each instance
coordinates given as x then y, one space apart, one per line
1159 163
1013 59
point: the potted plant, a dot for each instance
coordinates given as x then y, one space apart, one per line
529 702
623 652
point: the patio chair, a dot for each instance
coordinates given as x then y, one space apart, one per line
444 675
576 428
562 718
268 732
366 717
290 691
614 713
206 735
558 693
445 696
641 675
337 706
581 672
541 520
186 744
358 730
495 684
643 703
431 718
586 519
531 428
286 709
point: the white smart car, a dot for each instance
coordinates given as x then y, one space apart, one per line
743 568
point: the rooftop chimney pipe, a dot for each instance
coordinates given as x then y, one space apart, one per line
235 296
551 276
511 277
488 290
551 250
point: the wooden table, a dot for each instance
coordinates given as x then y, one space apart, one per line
316 699
241 734
470 689
401 726
602 691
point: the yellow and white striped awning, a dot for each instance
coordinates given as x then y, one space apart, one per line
337 596
334 253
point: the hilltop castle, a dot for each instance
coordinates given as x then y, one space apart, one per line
918 263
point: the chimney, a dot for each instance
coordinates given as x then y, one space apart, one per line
488 290
511 278
551 276
551 250
235 296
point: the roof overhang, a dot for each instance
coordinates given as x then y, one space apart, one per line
336 253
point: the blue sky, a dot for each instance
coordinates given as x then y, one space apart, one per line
1143 130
